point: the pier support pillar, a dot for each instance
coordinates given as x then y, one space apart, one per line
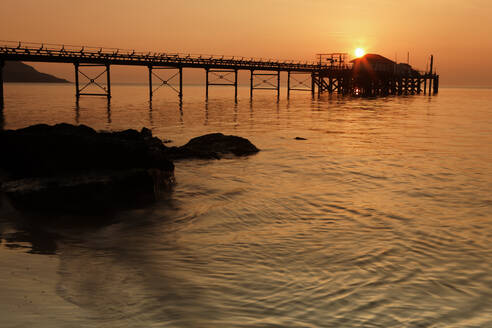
431 68
2 63
150 84
206 83
180 83
108 81
278 84
77 89
436 84
251 84
313 84
288 84
235 85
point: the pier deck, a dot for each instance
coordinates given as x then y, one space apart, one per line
264 73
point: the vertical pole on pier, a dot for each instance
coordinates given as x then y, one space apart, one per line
425 85
288 84
150 83
77 90
206 83
108 79
313 84
251 85
180 83
278 84
430 73
436 84
235 84
2 63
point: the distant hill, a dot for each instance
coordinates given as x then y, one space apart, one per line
15 71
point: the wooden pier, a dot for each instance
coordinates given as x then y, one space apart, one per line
331 73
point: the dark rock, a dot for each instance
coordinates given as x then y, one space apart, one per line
300 138
146 133
213 145
89 192
73 167
43 150
43 242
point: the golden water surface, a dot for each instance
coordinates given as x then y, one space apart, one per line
381 218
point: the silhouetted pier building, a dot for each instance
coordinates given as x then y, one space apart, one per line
370 75
374 75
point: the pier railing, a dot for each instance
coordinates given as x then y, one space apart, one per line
84 54
220 71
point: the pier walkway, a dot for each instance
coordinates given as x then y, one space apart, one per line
330 76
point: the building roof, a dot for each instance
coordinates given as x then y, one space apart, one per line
372 58
404 65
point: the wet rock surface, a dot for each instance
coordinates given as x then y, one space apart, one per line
74 168
90 191
43 150
213 145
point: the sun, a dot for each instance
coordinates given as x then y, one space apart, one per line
359 52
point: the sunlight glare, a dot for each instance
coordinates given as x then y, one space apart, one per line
359 52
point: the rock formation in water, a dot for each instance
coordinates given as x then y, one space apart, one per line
15 71
75 167
213 145
66 167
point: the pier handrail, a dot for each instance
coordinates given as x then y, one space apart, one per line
72 53
327 77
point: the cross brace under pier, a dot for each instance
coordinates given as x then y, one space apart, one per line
166 81
92 81
299 81
264 81
221 77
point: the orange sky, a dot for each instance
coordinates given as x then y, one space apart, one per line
456 32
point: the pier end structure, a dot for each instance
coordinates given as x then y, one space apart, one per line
374 75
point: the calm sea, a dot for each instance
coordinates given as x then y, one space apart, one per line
381 218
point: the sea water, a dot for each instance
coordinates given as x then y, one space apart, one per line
382 217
